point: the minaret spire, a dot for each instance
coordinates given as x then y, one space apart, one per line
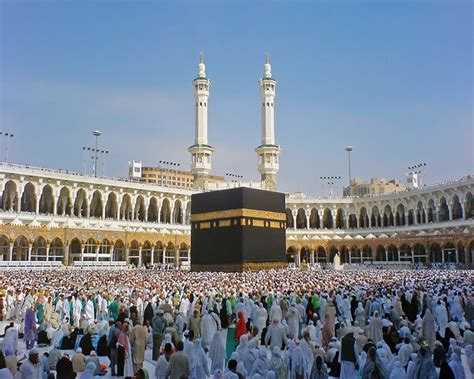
201 152
268 151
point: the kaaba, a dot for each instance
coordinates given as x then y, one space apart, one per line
238 229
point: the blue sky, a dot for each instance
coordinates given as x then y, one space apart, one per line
392 78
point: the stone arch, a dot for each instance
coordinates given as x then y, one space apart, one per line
443 212
344 254
158 252
431 211
388 219
64 202
366 253
469 206
10 196
119 251
363 218
80 205
104 247
178 212
411 217
400 215
90 248
323 257
381 254
56 250
146 253
392 253
75 250
28 199
305 253
352 221
456 207
289 218
165 216
111 207
96 205
46 203
340 221
356 254
140 209
420 213
405 252
153 210
39 249
328 222
320 255
301 219
375 218
20 249
449 252
419 253
436 253
314 221
291 253
4 248
126 210
183 253
134 253
170 257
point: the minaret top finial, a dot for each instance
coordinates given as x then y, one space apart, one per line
201 66
267 71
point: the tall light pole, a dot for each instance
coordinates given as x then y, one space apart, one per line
349 148
97 134
7 136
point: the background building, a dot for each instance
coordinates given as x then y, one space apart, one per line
376 186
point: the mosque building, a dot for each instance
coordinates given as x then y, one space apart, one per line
54 217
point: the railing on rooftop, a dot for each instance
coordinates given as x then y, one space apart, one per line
90 177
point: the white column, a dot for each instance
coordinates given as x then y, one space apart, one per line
97 252
153 255
463 211
450 212
30 247
398 253
333 213
294 212
10 253
37 205
82 253
307 214
140 256
111 254
47 251
189 257
164 254
457 254
297 259
311 257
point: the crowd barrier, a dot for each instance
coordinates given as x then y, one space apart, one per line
100 264
30 264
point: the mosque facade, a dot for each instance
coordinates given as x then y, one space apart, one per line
55 217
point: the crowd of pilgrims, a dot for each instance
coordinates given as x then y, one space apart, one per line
284 324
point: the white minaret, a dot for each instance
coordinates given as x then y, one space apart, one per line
268 152
201 152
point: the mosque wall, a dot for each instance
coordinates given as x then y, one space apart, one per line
51 215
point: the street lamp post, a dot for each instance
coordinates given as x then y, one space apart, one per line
97 134
7 136
349 148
